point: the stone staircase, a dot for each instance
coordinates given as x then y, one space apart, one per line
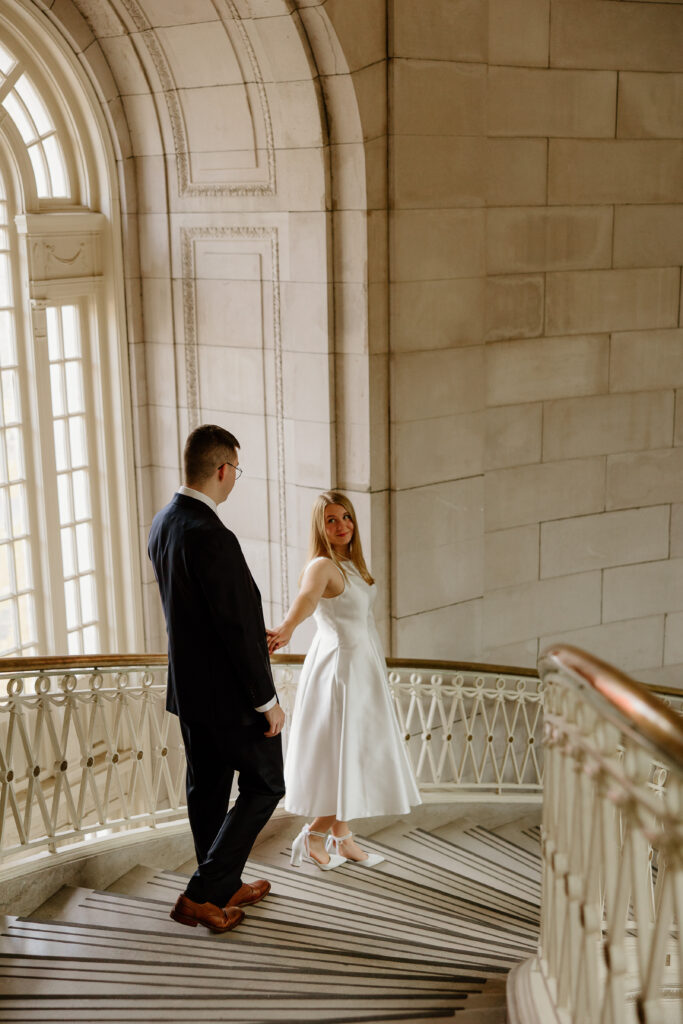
428 936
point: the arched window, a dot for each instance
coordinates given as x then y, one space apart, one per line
36 127
69 569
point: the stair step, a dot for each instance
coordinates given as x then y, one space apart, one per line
133 881
468 860
428 936
485 1015
350 903
57 938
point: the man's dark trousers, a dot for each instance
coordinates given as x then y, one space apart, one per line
223 838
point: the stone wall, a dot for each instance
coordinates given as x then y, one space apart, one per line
429 251
537 180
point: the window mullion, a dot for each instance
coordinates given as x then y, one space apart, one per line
46 482
98 469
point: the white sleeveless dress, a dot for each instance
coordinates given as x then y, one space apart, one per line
345 754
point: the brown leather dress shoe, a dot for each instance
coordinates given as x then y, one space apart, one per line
249 892
216 919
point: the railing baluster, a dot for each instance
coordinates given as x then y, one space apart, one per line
612 820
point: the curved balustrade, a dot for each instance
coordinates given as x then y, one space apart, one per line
87 749
612 905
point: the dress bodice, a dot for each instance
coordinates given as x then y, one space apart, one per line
347 619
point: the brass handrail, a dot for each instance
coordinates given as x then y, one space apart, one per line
56 663
629 705
82 661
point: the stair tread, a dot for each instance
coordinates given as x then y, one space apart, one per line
429 935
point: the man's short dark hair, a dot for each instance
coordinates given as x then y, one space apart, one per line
207 448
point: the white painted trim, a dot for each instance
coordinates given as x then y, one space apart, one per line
528 1000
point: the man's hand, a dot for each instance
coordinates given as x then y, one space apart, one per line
275 717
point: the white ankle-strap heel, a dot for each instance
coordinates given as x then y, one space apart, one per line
301 850
334 842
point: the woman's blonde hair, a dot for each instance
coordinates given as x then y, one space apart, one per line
320 542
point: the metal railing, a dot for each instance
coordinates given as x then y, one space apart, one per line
87 749
612 841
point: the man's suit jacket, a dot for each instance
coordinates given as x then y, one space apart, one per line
218 663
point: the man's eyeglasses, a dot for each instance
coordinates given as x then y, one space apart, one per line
238 470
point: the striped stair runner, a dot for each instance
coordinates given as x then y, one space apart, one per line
428 936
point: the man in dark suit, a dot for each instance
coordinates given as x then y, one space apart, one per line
219 681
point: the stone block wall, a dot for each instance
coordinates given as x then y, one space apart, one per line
438 303
536 335
429 251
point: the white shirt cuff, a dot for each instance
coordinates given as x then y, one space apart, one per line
266 707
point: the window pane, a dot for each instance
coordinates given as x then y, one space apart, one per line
57 387
66 513
5 282
88 599
17 111
6 581
22 565
40 170
86 562
10 396
91 640
27 619
72 344
34 104
73 617
74 386
7 61
75 643
54 335
9 636
77 441
4 514
68 552
7 351
61 446
15 453
81 494
17 497
55 163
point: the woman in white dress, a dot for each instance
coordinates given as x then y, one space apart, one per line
345 757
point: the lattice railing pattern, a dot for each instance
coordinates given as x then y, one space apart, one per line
464 728
89 751
85 752
612 905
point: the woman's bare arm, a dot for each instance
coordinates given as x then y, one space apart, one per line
318 577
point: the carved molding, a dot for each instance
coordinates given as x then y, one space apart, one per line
269 237
229 16
62 246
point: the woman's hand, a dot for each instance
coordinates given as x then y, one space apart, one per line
279 637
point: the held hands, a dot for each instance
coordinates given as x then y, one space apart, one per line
279 637
275 717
